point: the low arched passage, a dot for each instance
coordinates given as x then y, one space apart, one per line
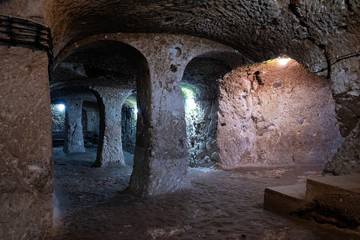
68 108
200 84
111 69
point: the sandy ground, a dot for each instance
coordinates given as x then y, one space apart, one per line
90 203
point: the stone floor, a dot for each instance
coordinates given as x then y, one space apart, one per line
90 203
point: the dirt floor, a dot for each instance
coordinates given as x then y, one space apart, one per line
90 203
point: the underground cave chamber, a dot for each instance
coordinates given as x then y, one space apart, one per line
241 111
287 112
75 119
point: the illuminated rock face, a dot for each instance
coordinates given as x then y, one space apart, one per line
58 120
201 90
274 115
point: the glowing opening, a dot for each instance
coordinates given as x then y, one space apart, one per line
131 102
189 96
284 61
60 107
190 103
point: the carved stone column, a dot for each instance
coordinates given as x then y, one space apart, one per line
110 145
161 161
74 138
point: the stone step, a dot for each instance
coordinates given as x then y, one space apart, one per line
332 199
332 185
285 199
336 197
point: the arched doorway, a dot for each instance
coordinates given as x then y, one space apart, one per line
200 85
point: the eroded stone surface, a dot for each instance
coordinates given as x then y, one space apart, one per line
111 152
128 126
273 114
201 76
58 119
91 123
32 9
315 33
201 128
347 159
25 144
74 138
161 154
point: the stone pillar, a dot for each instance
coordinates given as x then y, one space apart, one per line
74 139
25 144
110 146
160 161
92 120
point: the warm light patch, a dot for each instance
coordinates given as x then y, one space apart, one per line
283 61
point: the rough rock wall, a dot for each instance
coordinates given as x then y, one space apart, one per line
58 120
321 35
160 159
201 126
347 159
74 137
201 89
272 114
111 151
128 128
25 144
29 9
90 121
345 77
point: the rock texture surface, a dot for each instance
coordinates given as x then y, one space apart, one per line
201 128
201 76
128 127
347 159
161 162
321 35
74 137
58 120
273 115
25 144
110 151
91 123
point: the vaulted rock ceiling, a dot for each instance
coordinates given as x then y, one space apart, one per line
259 29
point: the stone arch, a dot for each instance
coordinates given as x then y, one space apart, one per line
160 100
112 70
201 78
73 98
